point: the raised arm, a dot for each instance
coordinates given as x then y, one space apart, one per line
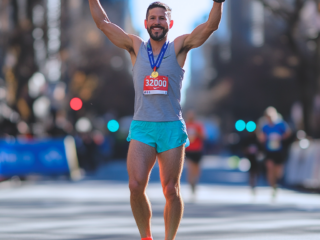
115 34
185 43
201 33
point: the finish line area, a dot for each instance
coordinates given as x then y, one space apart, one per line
100 210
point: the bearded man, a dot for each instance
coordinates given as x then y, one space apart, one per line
158 129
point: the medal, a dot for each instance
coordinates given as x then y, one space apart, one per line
154 74
156 65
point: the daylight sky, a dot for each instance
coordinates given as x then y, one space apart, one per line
185 14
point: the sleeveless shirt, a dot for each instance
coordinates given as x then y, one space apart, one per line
158 108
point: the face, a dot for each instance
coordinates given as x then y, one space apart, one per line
158 23
269 119
190 116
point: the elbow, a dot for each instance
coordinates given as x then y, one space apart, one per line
212 27
102 24
215 28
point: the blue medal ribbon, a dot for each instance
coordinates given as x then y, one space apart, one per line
156 65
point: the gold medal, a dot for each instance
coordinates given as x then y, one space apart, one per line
154 74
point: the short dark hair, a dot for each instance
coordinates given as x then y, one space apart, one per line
160 5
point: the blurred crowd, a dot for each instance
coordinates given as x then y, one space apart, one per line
95 145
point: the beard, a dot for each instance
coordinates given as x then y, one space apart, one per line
158 36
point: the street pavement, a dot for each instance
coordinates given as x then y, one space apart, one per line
97 209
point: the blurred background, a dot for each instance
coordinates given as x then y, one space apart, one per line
60 76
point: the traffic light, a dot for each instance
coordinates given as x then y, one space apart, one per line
251 126
113 126
240 125
76 104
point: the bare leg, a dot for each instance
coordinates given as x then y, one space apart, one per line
141 159
253 179
271 174
171 164
193 174
279 171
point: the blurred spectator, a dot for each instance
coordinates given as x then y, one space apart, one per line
93 149
86 149
212 132
251 149
273 132
24 131
60 126
194 152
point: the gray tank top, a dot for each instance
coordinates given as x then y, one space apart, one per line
158 108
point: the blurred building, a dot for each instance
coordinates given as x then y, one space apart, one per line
248 65
50 52
94 69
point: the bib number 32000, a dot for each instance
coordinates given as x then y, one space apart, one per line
158 85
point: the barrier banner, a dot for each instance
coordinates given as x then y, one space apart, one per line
46 157
303 166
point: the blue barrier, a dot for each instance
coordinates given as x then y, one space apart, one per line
46 157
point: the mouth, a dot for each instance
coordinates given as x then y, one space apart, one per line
156 28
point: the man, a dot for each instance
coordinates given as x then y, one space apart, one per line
273 133
194 152
158 130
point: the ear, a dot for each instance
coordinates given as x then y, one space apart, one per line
145 24
171 24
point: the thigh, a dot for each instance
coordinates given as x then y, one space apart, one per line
270 164
171 165
141 159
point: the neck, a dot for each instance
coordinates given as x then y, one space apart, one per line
157 45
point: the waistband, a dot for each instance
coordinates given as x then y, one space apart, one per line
170 124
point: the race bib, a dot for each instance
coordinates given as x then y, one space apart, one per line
158 85
274 143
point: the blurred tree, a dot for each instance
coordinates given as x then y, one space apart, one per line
304 46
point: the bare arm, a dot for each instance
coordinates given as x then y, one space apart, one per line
201 33
115 34
185 43
287 133
262 137
201 133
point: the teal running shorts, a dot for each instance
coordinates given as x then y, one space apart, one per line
161 135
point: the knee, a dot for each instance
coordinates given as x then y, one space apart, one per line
171 191
269 165
136 187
